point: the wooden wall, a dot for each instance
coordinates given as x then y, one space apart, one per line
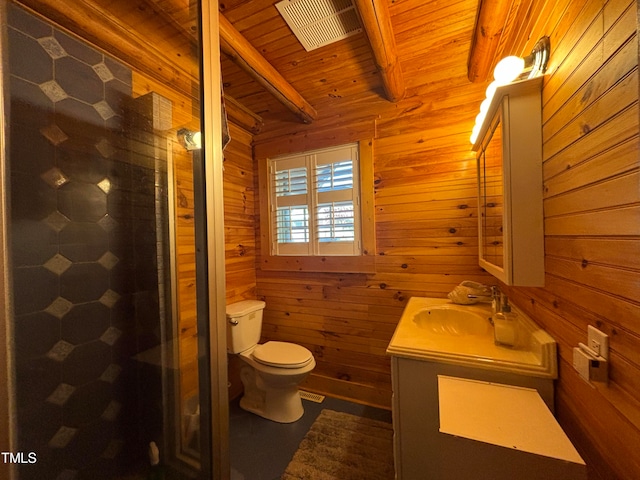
426 228
592 225
425 211
239 217
425 215
240 231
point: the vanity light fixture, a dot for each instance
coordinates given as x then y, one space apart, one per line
511 69
190 140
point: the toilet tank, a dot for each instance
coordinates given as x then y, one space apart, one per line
244 325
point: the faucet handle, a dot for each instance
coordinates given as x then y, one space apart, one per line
496 299
504 303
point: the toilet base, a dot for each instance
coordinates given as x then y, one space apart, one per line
282 405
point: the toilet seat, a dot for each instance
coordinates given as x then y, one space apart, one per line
282 355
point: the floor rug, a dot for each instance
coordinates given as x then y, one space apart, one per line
341 446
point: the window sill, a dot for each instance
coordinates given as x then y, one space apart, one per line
331 264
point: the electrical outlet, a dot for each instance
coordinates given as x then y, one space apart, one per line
598 342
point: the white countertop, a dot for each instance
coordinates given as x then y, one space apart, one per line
535 355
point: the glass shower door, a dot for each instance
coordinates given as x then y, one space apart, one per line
109 287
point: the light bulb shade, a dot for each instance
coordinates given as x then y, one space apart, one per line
474 134
508 69
491 90
484 106
197 140
190 140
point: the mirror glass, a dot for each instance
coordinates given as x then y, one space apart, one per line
491 185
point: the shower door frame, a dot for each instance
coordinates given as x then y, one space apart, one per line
7 400
214 312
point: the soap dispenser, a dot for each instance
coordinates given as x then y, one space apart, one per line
504 325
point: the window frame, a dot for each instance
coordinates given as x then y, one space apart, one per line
361 263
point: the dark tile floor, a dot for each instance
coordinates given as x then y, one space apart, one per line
261 449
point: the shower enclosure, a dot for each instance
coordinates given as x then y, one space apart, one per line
112 288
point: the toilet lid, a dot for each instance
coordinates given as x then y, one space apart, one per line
282 354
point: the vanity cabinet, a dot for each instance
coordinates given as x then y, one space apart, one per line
423 350
417 442
510 186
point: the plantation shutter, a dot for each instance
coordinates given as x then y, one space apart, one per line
289 180
336 208
315 203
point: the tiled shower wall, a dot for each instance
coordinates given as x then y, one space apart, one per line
84 254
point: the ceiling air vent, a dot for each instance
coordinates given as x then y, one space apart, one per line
320 22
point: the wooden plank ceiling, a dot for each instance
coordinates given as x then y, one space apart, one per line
270 78
404 43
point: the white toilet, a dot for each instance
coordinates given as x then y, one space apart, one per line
271 372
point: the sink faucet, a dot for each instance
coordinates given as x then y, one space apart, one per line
488 292
494 294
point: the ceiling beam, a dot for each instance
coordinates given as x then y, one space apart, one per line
242 53
377 24
241 115
490 25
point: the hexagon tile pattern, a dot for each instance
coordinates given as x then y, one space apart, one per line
79 263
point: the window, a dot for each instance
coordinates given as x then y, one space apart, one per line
314 203
316 210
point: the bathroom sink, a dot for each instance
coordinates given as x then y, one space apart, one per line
437 330
449 320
